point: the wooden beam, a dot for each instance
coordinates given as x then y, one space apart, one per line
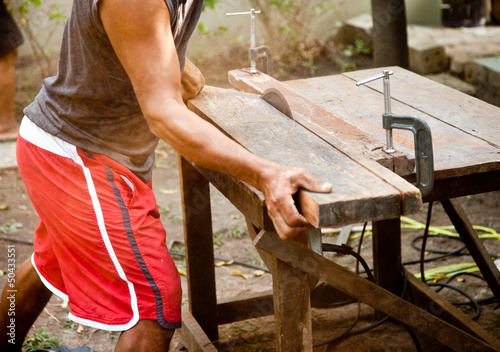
239 308
429 300
420 321
192 335
292 308
198 238
473 244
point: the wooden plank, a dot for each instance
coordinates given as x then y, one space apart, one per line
250 306
330 126
359 194
198 238
336 132
360 107
469 114
244 197
460 186
420 294
465 130
474 245
192 335
345 233
421 321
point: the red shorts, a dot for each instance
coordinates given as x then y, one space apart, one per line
100 243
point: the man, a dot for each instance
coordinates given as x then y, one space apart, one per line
85 153
10 39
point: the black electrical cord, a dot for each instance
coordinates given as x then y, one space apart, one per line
226 260
462 292
16 240
344 249
361 237
471 301
359 259
424 241
481 301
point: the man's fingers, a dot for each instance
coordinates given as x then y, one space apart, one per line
284 230
314 184
287 220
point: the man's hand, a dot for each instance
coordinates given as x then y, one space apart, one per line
192 81
279 184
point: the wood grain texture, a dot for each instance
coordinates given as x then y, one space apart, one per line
332 126
359 194
465 130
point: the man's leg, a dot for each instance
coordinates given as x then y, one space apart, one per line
145 336
9 127
31 296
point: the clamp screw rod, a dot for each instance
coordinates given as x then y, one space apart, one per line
389 149
252 13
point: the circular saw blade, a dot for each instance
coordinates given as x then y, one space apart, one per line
274 97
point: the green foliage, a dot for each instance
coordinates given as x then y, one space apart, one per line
40 341
205 30
359 48
218 240
67 323
210 4
10 226
236 232
284 5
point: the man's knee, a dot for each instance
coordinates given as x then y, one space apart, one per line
146 335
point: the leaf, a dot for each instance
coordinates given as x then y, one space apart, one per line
259 273
169 191
224 263
440 277
4 206
239 273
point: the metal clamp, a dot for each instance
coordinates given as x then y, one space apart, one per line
255 53
424 157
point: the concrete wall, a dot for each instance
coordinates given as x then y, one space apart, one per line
49 32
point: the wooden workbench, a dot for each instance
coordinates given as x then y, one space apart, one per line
336 134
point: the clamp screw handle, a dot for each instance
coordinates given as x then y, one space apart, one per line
252 14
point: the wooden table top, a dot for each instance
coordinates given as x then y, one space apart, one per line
348 151
465 130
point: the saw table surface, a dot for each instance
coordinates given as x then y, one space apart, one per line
336 134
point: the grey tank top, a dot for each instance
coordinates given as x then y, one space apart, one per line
90 102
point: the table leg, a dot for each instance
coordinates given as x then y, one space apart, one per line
292 308
387 254
198 237
473 244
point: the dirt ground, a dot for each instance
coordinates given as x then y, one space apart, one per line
231 241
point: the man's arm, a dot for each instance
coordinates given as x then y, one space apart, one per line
192 81
140 33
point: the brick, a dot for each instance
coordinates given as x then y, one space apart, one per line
356 28
426 56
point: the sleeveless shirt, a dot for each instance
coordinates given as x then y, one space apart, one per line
91 102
